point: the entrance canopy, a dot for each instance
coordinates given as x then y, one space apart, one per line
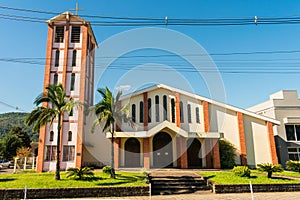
166 125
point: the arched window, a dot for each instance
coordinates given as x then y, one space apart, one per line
189 113
165 105
55 79
173 110
69 136
141 112
133 112
149 110
181 113
56 58
157 108
197 115
74 58
72 86
51 136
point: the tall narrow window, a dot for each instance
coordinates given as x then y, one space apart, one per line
69 136
74 58
157 108
72 82
55 79
51 136
149 110
189 113
56 58
133 112
181 112
197 115
59 34
141 111
173 110
75 35
165 105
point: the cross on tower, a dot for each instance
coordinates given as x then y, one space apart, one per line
76 9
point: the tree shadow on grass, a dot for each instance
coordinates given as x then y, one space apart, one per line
252 177
6 179
121 179
281 178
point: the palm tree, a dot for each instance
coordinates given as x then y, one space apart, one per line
110 113
58 104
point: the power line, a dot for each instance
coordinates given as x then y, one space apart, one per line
11 106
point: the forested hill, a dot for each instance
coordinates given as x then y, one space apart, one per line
9 120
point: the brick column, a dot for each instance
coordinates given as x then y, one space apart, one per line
183 158
117 145
145 96
208 156
272 143
177 109
47 75
146 149
216 155
243 151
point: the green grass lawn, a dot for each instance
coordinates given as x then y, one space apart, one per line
46 180
260 178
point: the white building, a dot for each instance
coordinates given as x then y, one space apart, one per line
284 106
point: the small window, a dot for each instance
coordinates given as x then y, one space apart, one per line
74 58
55 79
197 115
165 105
59 34
69 136
72 82
68 153
290 132
133 112
141 112
51 136
189 113
181 113
173 110
57 58
149 110
75 35
293 153
157 108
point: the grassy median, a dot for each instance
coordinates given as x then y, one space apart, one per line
46 180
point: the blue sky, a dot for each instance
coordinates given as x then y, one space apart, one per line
20 83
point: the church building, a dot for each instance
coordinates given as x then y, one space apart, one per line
172 127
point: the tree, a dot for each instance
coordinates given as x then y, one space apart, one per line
227 154
293 165
58 105
26 141
109 112
270 168
9 145
80 173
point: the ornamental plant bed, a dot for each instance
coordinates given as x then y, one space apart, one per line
46 180
228 182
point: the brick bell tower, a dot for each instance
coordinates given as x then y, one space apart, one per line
70 59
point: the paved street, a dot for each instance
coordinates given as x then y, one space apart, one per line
210 196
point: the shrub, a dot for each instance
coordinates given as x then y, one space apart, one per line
269 168
80 173
293 165
242 171
227 154
106 169
146 175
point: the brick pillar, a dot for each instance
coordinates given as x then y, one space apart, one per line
216 155
177 109
146 149
272 143
208 156
183 158
243 152
117 145
145 95
178 145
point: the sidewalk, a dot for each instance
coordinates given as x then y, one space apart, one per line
211 196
